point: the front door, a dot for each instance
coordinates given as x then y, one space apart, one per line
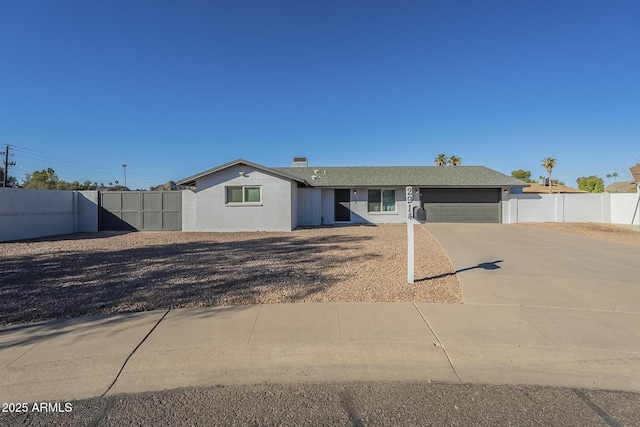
342 198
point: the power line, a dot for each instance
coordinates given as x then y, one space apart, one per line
62 159
77 164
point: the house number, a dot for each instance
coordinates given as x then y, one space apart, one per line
409 202
410 244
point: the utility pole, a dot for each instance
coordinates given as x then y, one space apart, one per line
125 176
6 163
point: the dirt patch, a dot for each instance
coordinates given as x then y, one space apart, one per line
609 232
103 273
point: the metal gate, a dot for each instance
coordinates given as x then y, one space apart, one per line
141 210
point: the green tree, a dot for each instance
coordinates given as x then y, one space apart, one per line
549 163
441 160
592 184
455 161
11 181
615 177
45 179
522 175
608 176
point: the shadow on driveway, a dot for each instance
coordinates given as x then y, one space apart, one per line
493 265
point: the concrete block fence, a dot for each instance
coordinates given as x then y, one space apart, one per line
27 214
607 208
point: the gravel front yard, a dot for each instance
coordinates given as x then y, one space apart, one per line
101 273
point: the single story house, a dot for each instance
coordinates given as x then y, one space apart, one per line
245 196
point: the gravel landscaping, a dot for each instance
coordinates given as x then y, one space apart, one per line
609 232
108 272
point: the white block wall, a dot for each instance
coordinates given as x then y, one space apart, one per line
28 214
615 208
189 222
623 208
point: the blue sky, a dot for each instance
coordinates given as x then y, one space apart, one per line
172 88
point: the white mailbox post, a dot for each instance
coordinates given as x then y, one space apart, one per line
410 239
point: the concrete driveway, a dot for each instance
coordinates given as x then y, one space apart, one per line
520 265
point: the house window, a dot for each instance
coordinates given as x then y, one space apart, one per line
381 201
244 195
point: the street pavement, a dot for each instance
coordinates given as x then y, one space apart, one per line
349 404
541 308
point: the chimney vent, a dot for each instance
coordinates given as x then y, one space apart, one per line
300 162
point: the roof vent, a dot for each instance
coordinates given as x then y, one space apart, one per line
300 162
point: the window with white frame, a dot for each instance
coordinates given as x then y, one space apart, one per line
381 200
244 195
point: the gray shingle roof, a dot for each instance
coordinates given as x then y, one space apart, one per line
381 176
425 176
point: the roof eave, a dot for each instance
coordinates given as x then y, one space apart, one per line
192 179
372 185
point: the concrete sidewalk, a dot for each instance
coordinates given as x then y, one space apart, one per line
330 342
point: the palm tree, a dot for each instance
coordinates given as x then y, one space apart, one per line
615 177
608 177
455 161
549 163
441 160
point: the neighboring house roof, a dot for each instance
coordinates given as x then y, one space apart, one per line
191 181
556 188
382 176
621 187
635 171
427 176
